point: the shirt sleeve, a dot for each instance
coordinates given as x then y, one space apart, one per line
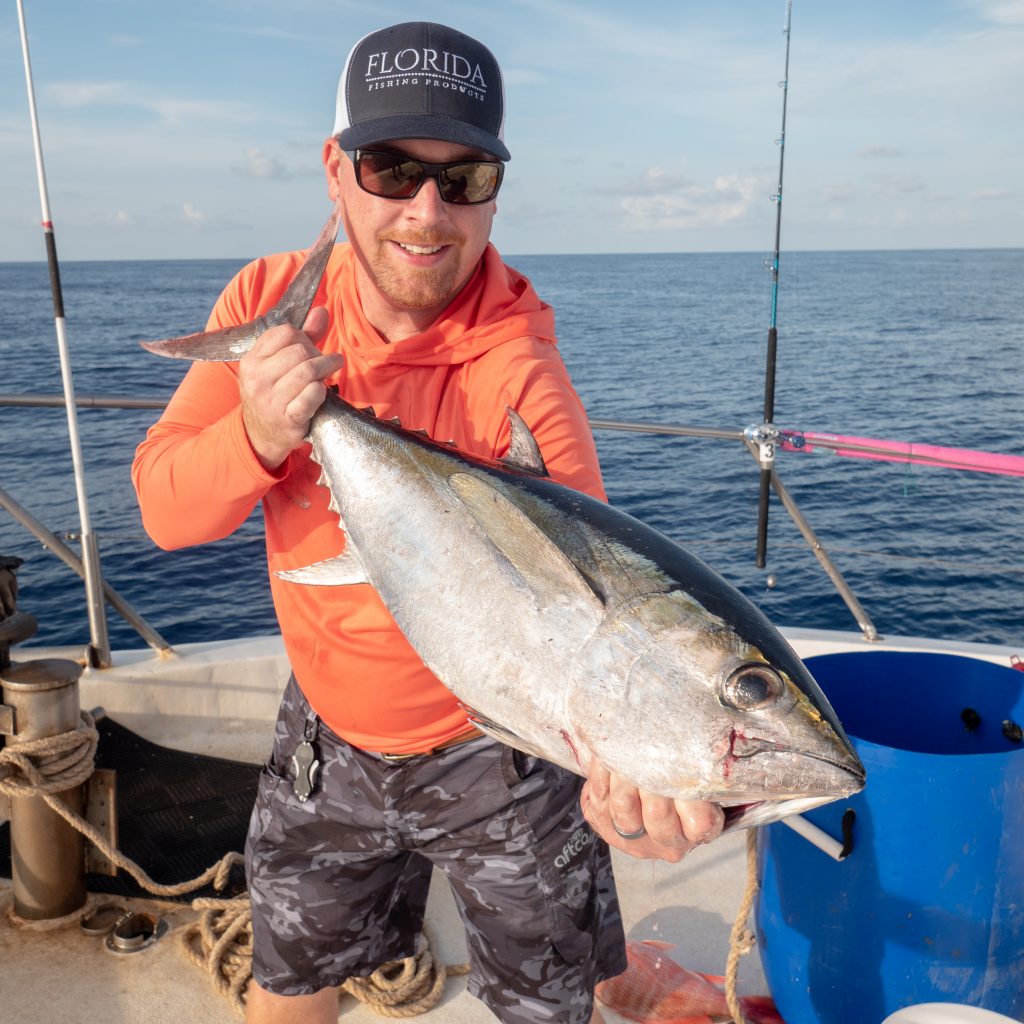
195 474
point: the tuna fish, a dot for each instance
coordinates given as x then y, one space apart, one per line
564 626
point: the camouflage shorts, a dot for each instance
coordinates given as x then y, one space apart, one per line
339 882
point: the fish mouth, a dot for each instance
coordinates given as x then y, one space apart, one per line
850 779
849 768
737 812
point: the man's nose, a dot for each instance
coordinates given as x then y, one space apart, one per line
427 203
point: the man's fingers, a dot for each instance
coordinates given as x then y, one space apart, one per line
598 780
645 825
316 324
701 821
662 821
301 408
624 805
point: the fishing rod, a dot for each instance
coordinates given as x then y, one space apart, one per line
99 648
764 439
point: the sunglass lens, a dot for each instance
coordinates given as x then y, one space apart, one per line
389 175
468 183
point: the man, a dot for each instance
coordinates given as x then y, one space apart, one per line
418 317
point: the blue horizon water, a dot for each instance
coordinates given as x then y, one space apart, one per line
915 345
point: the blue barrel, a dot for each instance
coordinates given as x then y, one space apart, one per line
929 905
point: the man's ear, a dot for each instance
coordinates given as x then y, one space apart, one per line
332 159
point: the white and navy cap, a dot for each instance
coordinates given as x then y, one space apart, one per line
420 80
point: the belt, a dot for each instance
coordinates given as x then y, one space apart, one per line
470 734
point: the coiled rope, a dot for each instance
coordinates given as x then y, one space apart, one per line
221 939
52 764
405 988
221 942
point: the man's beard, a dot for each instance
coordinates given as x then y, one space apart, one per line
414 287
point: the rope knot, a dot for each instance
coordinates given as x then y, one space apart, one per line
51 764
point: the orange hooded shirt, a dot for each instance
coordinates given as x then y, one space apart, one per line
198 479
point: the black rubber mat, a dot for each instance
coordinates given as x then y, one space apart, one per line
178 813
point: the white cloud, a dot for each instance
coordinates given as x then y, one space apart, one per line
261 165
877 150
671 202
83 94
76 95
992 193
1004 12
193 215
897 184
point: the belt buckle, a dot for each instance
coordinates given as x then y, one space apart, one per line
392 758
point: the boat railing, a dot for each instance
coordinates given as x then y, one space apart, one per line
752 438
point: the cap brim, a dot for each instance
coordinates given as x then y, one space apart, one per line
413 126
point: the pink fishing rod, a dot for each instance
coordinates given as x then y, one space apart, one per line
902 451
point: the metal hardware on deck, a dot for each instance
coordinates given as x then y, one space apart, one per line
765 439
101 813
41 401
867 627
47 854
136 932
52 542
102 920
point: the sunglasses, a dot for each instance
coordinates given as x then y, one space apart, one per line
397 176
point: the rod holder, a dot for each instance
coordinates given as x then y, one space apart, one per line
47 854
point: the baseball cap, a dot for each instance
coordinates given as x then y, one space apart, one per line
421 80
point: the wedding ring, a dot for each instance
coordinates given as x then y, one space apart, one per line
641 831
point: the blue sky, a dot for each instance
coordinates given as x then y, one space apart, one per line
194 129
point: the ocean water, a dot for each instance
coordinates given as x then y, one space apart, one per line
914 346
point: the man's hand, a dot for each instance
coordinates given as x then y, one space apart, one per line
665 829
280 381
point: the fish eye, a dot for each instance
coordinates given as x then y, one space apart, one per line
751 687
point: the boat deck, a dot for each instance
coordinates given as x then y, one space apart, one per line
196 701
67 975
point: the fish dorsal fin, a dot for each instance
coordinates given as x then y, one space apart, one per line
523 451
341 571
547 570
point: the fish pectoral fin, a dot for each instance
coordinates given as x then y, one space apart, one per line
500 732
523 451
547 570
343 570
231 343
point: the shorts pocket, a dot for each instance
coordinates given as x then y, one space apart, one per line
264 813
564 849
